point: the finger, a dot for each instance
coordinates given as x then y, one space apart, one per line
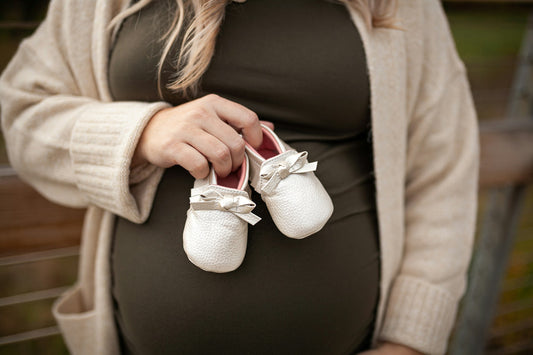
239 117
227 135
191 160
216 152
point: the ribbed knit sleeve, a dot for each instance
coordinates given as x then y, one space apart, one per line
102 143
63 135
440 196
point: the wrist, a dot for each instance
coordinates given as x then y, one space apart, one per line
137 159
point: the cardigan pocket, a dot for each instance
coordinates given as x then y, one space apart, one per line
78 325
83 312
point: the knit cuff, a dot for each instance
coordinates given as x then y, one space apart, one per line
419 315
102 145
141 173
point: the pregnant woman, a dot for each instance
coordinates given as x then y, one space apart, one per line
119 106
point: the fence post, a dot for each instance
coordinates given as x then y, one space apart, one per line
498 229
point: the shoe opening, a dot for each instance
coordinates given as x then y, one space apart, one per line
235 180
269 148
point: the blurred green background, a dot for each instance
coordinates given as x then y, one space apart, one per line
488 37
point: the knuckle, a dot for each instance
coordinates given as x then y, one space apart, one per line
221 153
237 145
212 97
199 168
200 112
250 118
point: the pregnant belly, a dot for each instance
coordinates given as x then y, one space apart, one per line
310 296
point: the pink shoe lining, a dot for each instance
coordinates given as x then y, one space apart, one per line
269 148
235 180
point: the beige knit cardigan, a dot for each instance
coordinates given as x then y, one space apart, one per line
68 139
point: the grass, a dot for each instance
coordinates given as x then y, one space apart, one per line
487 35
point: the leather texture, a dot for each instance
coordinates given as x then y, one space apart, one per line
298 203
216 230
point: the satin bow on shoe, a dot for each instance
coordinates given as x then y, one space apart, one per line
292 163
207 198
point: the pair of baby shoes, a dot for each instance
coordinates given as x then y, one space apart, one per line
216 231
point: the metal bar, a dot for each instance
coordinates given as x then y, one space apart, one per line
498 229
29 335
39 256
6 170
486 272
32 296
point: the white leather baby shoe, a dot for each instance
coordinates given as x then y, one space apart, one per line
297 201
216 231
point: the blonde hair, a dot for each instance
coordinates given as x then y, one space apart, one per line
198 43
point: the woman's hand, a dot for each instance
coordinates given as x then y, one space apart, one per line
387 348
199 132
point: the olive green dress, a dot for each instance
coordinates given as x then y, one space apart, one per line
300 64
